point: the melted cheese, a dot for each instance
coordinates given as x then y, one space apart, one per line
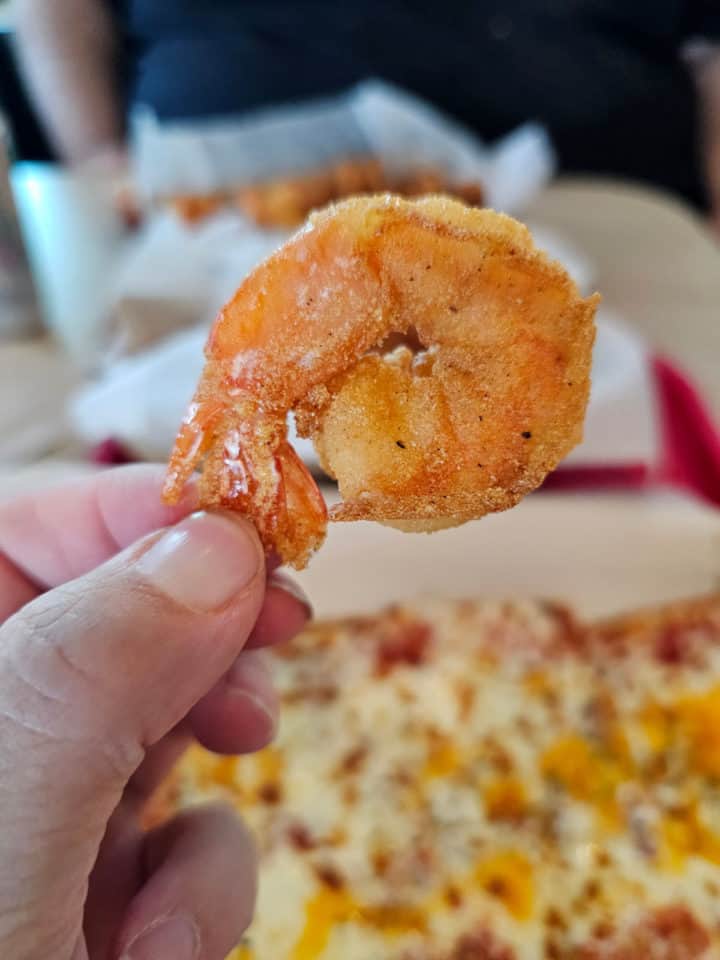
508 877
544 795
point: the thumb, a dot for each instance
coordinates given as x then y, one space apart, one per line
95 671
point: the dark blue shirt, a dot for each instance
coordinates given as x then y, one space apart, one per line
605 76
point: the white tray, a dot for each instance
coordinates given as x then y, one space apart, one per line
604 554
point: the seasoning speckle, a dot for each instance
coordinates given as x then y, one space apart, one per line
270 793
300 837
526 434
400 444
330 876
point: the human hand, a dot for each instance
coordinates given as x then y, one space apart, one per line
119 645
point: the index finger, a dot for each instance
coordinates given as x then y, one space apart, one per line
55 535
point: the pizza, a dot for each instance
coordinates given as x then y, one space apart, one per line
466 780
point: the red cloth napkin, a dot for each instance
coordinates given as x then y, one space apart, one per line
690 457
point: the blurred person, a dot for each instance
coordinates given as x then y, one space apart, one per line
606 77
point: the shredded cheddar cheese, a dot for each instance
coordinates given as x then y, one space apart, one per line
505 799
699 722
322 913
508 877
443 758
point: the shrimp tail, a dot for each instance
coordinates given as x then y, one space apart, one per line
304 513
274 489
196 436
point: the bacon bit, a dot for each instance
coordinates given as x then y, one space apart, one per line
481 946
603 930
497 756
678 927
677 922
404 643
425 857
270 793
570 633
669 933
591 890
602 858
497 887
453 897
672 645
554 919
330 876
301 838
552 950
402 777
353 761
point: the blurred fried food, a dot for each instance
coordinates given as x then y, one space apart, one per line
192 208
285 202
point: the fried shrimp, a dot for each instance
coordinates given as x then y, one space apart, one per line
486 397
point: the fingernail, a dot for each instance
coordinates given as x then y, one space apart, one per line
203 562
250 677
176 936
282 582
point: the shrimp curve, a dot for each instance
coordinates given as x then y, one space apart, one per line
468 424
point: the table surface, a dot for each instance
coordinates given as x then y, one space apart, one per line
655 264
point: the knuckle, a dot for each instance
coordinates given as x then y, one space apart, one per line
49 693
